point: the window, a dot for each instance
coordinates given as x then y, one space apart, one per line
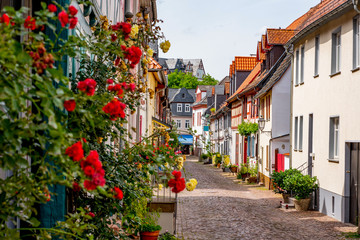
187 107
301 133
356 55
183 95
187 124
336 51
297 68
199 118
334 138
267 108
179 107
302 64
296 133
178 123
317 53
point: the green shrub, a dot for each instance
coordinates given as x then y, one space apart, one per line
167 236
278 179
247 128
149 223
244 169
253 170
301 185
204 156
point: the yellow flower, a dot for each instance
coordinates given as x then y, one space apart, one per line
165 46
166 165
134 31
180 160
139 166
150 52
194 181
190 186
180 166
160 186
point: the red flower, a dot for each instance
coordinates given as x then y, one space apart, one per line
75 151
119 193
30 23
70 105
52 8
115 108
87 86
176 174
98 179
91 214
73 22
63 18
76 187
48 197
113 37
133 54
132 87
89 185
89 171
5 19
72 10
178 183
110 81
117 61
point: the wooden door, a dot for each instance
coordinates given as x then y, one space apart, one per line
354 181
237 149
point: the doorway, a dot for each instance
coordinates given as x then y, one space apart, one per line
354 182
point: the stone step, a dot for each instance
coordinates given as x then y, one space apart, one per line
289 205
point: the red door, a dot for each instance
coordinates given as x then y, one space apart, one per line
245 149
279 162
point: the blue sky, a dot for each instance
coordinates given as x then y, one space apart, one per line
217 31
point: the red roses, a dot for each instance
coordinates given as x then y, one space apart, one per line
115 108
119 193
64 17
70 105
92 168
30 23
42 59
75 151
124 27
5 19
178 183
133 54
87 86
52 8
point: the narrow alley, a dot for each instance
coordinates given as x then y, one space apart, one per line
221 208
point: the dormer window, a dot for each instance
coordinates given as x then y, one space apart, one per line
183 95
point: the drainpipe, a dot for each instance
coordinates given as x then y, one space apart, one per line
355 3
290 50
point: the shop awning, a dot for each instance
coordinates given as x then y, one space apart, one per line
161 123
186 139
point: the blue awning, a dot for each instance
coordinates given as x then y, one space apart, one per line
186 139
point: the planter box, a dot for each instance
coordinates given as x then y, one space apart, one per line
302 204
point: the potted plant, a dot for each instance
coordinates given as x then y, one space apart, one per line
277 179
149 229
233 168
204 156
167 236
244 171
302 186
218 159
252 172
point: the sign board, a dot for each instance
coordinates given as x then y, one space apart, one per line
206 128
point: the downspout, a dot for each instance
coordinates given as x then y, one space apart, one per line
355 3
290 50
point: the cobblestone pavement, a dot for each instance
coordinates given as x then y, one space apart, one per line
221 208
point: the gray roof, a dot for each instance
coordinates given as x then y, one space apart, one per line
195 62
192 93
205 87
202 101
276 76
171 92
179 63
224 80
182 95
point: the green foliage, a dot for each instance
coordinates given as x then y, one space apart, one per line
204 156
279 177
253 170
244 168
178 79
208 80
301 185
167 236
149 222
247 128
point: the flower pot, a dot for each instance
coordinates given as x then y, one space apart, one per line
226 169
149 235
286 197
218 165
252 179
233 169
245 175
302 204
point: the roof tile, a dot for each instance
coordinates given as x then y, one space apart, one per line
153 64
245 63
275 36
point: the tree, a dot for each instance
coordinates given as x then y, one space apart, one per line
179 79
208 80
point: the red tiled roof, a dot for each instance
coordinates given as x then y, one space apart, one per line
264 45
231 70
227 87
255 72
154 64
245 63
275 36
260 54
233 67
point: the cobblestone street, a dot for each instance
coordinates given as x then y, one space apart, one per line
221 208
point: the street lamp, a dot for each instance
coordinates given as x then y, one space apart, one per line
261 123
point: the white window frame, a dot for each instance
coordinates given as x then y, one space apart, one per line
317 54
334 137
302 62
301 131
356 40
187 107
178 123
187 124
179 107
336 51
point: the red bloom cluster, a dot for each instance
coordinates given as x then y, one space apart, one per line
116 88
115 108
5 19
52 8
87 86
42 59
133 54
124 27
91 214
75 152
70 105
64 17
119 193
76 187
178 183
30 23
92 168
